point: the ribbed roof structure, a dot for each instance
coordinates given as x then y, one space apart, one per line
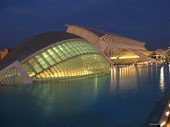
34 44
101 33
95 31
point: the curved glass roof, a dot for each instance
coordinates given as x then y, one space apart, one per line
67 59
34 44
80 66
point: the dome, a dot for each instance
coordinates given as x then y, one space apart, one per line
34 44
52 56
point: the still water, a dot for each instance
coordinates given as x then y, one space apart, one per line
124 98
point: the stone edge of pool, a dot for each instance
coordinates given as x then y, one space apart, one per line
161 113
164 118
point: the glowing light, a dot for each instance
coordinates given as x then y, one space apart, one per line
162 78
112 75
125 57
64 74
31 74
114 57
128 57
162 124
167 113
96 86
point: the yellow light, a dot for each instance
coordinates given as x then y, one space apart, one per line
31 74
114 57
128 57
66 74
162 78
162 124
169 105
167 113
125 57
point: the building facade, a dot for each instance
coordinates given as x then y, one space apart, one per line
116 49
79 52
51 56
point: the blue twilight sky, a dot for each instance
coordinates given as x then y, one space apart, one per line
143 20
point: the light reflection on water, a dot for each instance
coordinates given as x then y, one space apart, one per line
125 97
119 78
162 78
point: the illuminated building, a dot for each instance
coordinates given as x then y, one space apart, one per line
167 56
79 52
52 55
116 49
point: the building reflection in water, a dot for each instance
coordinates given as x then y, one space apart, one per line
127 79
103 99
123 79
68 96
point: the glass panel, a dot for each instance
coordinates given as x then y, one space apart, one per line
48 58
61 54
90 64
54 55
41 61
80 65
34 65
65 51
28 69
12 76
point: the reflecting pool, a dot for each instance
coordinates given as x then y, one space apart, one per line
124 98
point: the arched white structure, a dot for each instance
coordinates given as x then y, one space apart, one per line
116 49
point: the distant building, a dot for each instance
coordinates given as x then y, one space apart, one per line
159 54
3 53
167 52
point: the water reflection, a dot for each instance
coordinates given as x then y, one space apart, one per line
68 96
129 93
129 79
124 79
162 78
